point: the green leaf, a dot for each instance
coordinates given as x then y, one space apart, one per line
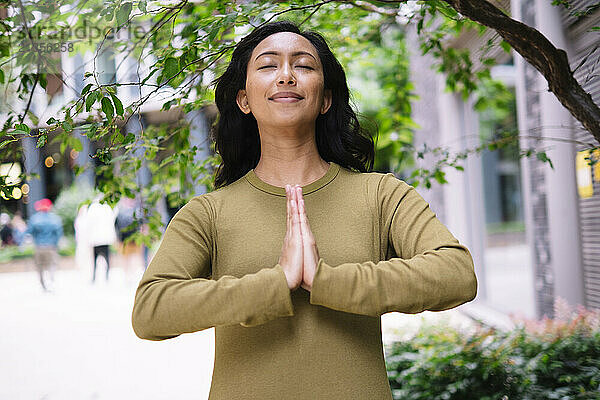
107 107
91 99
109 15
142 6
42 80
542 156
440 176
42 141
123 13
171 67
22 127
118 104
505 46
1 76
77 146
5 142
86 89
34 119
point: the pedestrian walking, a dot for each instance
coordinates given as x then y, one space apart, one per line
46 229
19 227
6 230
83 248
126 226
100 221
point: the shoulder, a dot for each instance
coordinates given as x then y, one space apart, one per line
212 203
380 185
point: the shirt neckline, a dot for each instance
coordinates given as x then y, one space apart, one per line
255 181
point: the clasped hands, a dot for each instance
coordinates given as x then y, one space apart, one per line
299 254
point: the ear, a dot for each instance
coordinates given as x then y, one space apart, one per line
242 101
327 99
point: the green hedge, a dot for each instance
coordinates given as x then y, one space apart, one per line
548 359
9 253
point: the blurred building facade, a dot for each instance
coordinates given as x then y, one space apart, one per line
534 232
55 169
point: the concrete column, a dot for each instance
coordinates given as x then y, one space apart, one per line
521 100
199 136
143 175
34 156
126 67
73 77
426 84
561 189
88 176
463 197
34 164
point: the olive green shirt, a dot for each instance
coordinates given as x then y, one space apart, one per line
382 249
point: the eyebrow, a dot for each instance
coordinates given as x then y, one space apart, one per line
276 53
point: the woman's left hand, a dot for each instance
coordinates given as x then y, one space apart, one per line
310 250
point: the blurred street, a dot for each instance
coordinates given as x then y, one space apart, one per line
77 342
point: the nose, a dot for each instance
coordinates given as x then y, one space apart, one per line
286 76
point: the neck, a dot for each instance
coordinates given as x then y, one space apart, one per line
289 157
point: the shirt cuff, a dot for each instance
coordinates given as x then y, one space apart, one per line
321 286
276 297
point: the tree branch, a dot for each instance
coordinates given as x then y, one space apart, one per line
551 62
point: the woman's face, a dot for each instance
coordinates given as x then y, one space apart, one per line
284 82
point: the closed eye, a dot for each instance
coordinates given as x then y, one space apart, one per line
273 66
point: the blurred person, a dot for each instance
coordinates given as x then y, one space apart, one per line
6 232
101 230
46 229
83 249
19 228
126 227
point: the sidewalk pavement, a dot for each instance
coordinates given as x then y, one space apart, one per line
77 342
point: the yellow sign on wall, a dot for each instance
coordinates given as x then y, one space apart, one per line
585 186
597 166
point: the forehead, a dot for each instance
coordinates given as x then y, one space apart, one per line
284 42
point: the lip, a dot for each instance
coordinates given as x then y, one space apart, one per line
286 97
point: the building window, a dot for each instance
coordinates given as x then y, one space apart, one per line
507 256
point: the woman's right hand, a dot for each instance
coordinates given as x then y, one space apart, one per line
291 259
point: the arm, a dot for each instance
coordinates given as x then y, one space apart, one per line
432 271
176 294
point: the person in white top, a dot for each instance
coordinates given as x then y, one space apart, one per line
101 231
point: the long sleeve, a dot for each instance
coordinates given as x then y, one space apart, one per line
432 270
176 294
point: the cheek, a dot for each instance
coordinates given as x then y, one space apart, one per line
255 89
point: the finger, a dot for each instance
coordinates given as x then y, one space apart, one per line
301 206
305 215
288 206
296 217
302 214
305 227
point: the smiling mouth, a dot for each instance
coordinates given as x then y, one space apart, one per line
286 99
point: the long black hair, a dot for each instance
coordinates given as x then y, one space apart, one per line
338 134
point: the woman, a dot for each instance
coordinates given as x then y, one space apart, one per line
298 320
